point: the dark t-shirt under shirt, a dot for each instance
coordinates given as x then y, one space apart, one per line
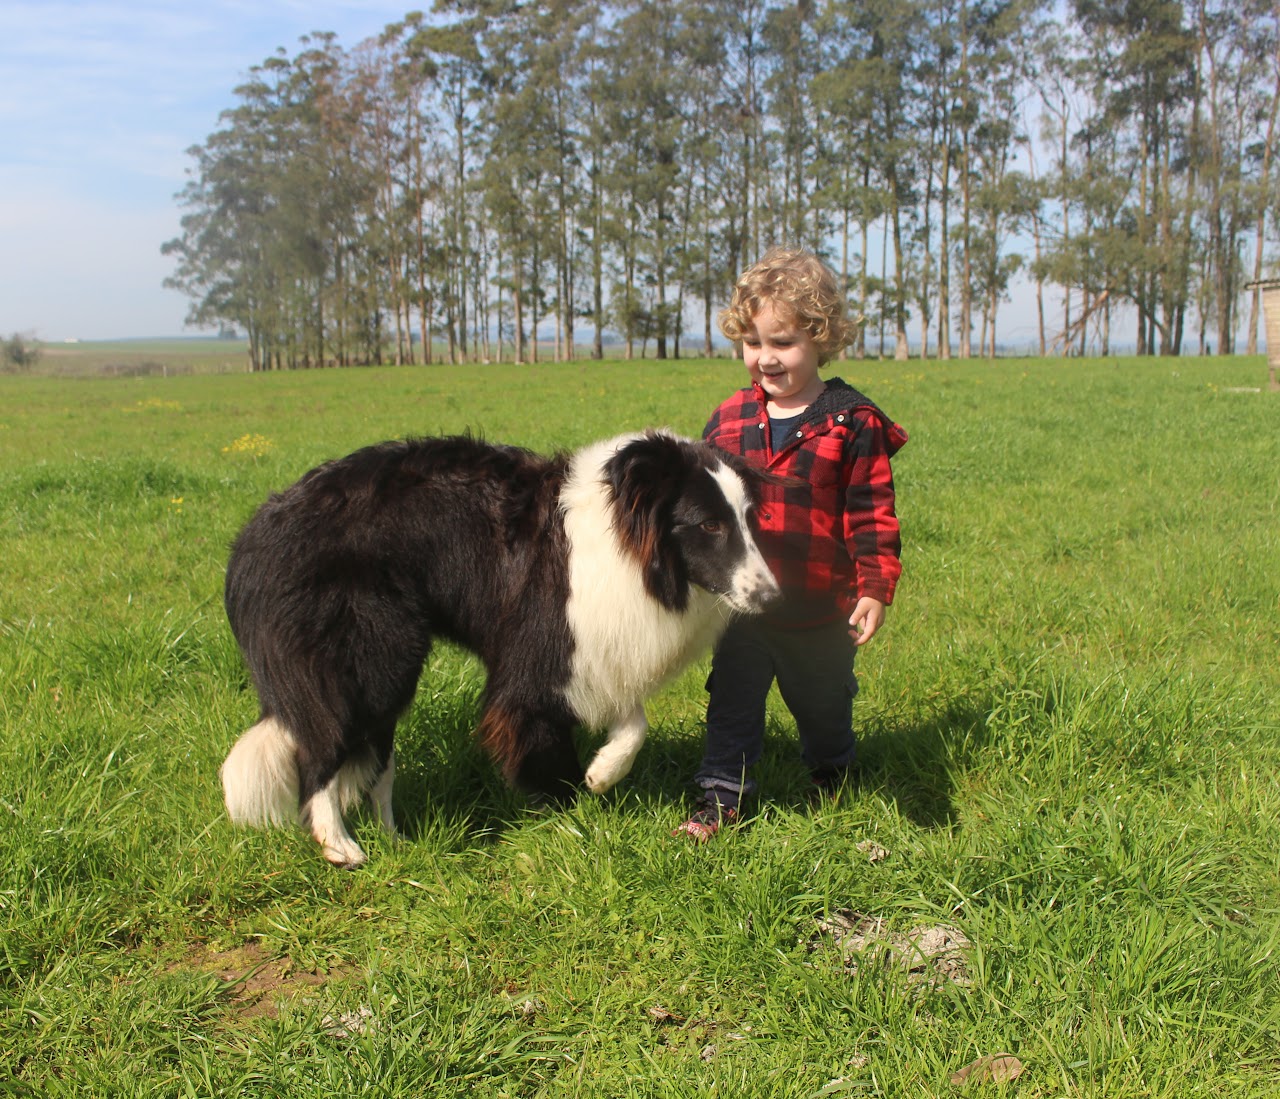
781 430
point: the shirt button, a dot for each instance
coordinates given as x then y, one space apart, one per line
799 434
839 419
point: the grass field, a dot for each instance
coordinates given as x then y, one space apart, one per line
1065 848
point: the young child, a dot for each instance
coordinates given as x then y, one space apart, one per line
829 532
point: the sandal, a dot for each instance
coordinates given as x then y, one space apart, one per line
706 822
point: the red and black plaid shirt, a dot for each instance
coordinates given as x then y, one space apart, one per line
831 534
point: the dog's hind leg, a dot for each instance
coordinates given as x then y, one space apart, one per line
322 813
614 759
380 795
331 782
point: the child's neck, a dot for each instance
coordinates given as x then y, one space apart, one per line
781 408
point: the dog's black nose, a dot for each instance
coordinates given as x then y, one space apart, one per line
766 594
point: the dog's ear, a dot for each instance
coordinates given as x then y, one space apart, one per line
645 479
753 476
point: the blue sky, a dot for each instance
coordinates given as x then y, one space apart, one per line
99 102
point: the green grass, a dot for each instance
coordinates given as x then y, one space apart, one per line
1070 725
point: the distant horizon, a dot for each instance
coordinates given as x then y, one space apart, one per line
1004 349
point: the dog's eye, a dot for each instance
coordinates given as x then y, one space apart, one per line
713 526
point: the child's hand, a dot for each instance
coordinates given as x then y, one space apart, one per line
866 619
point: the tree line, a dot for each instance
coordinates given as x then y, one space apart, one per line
469 175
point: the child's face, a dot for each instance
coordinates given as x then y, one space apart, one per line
781 356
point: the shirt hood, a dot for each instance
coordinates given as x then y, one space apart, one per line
839 396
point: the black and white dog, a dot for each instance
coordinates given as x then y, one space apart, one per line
583 582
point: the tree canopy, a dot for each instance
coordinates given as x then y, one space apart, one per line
470 177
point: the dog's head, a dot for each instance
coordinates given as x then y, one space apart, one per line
683 510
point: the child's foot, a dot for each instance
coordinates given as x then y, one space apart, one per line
706 822
828 782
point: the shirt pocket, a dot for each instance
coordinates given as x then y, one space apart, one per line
824 457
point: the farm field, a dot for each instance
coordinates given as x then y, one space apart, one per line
1065 847
176 356
141 358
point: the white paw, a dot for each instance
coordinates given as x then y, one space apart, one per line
345 854
605 773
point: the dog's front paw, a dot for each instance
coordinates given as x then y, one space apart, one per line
605 773
344 854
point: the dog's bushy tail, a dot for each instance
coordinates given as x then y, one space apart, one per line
260 776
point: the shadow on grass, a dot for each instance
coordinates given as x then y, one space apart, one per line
446 783
915 764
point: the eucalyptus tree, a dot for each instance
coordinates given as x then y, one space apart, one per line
936 75
707 253
564 28
792 49
226 234
516 194
874 80
841 98
500 163
411 71
744 23
594 154
1059 90
986 79
533 123
374 93
619 89
274 210
645 51
1143 72
332 193
965 112
462 80
1237 70
1003 198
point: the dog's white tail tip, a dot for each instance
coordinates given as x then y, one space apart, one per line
260 776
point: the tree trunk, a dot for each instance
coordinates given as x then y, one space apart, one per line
944 253
901 346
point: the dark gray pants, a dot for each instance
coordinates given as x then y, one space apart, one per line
814 670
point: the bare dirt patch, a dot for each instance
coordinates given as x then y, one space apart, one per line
927 953
703 1036
257 984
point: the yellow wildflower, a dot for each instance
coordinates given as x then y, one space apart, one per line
255 446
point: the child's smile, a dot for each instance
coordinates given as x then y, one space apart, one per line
782 358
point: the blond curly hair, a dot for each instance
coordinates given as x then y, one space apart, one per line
795 282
